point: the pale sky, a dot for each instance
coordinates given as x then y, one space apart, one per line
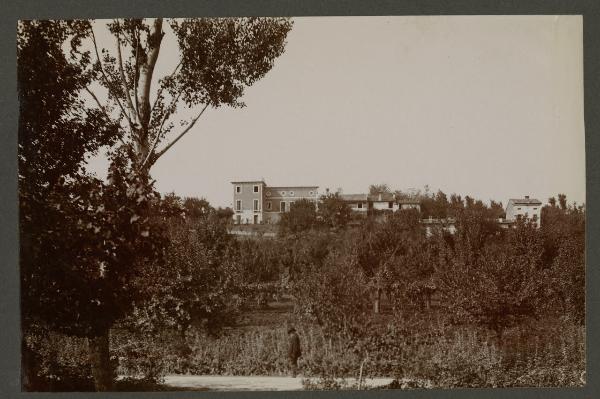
487 106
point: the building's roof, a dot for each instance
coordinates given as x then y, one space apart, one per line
353 197
383 197
525 201
247 181
289 187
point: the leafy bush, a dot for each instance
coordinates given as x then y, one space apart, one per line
335 295
301 217
57 362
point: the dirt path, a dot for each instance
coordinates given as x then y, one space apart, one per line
251 383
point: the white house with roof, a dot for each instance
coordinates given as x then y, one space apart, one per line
362 203
359 203
525 209
383 202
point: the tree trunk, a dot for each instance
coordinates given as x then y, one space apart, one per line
376 305
99 357
29 380
145 73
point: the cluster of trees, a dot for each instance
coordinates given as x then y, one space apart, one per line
333 212
437 204
341 279
86 243
481 274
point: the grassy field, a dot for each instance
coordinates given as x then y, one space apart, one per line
548 353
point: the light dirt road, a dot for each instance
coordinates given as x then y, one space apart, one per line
249 383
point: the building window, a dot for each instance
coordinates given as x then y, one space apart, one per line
256 205
360 205
268 193
282 206
238 205
311 193
535 209
518 209
255 189
390 205
292 193
268 205
283 193
238 189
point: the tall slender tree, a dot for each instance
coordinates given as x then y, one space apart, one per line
85 244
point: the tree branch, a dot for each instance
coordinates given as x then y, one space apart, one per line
147 70
106 81
169 112
97 102
102 109
122 72
136 75
160 90
187 129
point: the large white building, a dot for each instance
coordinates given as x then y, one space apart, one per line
524 209
255 202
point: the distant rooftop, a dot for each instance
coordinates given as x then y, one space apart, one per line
382 197
525 201
247 181
353 197
288 187
385 197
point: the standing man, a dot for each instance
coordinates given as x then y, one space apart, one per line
294 351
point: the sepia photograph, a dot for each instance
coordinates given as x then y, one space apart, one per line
301 203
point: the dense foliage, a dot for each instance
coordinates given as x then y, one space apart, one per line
87 243
471 309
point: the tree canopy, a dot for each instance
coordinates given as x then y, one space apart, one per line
84 240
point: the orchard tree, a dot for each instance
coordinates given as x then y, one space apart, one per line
302 216
197 207
333 211
195 282
497 287
335 295
563 232
393 256
109 226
